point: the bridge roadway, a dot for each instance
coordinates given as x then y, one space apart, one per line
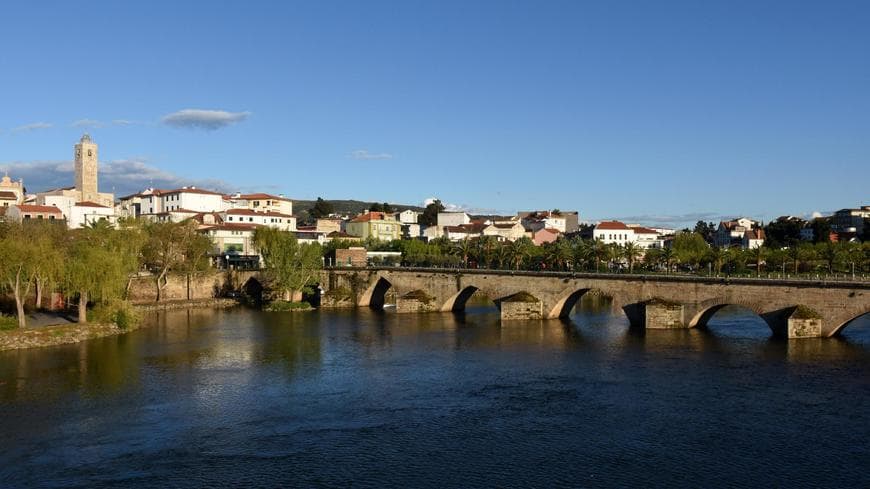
792 308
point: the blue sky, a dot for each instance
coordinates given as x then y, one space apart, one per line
647 111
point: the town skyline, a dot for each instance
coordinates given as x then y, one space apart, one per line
567 106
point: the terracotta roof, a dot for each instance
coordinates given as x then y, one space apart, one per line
231 227
371 216
261 196
188 190
754 234
341 234
251 212
306 228
642 230
473 228
49 209
550 230
612 225
87 203
505 225
8 195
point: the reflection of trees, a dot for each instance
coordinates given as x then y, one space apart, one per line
289 339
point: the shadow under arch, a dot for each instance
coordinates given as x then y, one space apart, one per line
563 307
702 319
457 302
859 320
378 293
253 290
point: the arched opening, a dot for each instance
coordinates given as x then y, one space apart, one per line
381 294
732 320
856 329
470 299
586 300
253 291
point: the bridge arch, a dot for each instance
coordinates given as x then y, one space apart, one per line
863 316
565 304
253 290
706 312
375 296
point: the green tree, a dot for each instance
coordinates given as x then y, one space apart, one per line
289 266
716 257
690 248
321 209
18 267
758 255
95 269
174 246
821 230
631 252
429 217
520 251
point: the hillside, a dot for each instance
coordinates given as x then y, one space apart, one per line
351 207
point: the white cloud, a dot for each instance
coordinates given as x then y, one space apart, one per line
124 176
33 126
204 119
364 154
87 123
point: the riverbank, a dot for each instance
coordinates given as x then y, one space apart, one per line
64 334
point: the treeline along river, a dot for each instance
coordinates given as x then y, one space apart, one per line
241 398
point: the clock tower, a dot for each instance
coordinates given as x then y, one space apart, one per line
86 169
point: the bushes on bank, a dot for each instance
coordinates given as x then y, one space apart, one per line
120 313
8 323
284 306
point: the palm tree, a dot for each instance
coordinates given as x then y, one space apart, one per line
519 251
601 252
464 248
757 255
584 252
716 256
668 257
631 252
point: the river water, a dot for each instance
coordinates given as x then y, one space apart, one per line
241 398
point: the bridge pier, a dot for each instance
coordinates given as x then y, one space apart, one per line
416 301
656 314
795 322
521 306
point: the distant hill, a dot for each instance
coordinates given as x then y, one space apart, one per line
352 207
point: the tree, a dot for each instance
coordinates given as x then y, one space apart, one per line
321 209
757 254
821 230
706 230
520 250
464 248
430 213
376 207
95 269
783 232
18 267
290 267
174 246
47 240
690 248
631 252
716 257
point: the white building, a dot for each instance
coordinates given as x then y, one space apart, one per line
84 214
453 219
409 216
505 231
272 219
613 232
647 238
260 202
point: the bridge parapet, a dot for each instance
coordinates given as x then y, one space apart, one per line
648 301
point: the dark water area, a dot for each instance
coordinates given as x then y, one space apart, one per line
240 398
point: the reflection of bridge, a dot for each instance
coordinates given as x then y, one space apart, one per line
797 309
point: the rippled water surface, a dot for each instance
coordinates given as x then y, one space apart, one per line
241 398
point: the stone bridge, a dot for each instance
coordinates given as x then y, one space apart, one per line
792 308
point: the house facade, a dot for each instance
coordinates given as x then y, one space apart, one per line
27 212
375 225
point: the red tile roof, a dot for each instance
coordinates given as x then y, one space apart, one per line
87 203
8 195
231 227
261 196
615 225
45 209
251 212
370 216
642 230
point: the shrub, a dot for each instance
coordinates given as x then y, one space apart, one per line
119 313
282 306
8 323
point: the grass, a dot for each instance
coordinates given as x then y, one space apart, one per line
8 323
804 312
283 306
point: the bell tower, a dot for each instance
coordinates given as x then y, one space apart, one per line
86 169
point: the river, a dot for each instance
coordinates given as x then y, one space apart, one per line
241 398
